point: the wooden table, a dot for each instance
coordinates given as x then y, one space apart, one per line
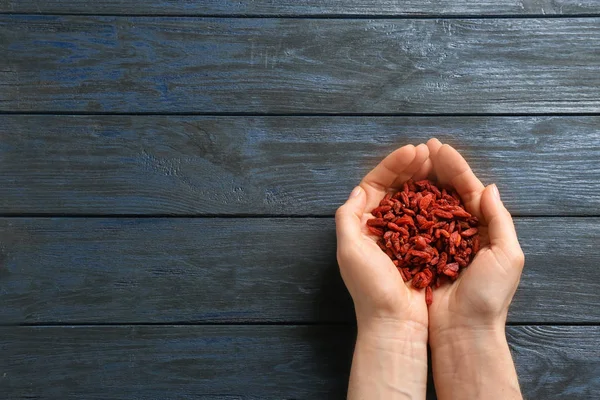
169 171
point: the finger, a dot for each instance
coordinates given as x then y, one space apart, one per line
501 229
348 216
387 171
434 146
421 156
452 169
393 171
425 171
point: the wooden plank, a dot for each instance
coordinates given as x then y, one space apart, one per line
250 362
150 270
208 65
306 7
277 165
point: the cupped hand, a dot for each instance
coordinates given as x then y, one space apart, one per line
373 281
480 297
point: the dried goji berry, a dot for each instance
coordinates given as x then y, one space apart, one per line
381 209
377 222
426 232
394 227
469 232
451 270
375 231
422 279
404 277
428 295
405 220
425 201
461 214
389 216
420 243
443 214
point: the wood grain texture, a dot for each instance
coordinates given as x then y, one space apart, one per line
250 362
278 165
182 362
306 7
208 65
231 270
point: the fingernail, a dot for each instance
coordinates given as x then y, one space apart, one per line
496 192
355 192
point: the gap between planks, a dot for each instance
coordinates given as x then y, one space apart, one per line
311 16
234 216
299 114
248 323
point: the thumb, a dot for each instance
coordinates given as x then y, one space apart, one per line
501 228
348 216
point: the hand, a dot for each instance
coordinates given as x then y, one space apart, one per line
373 281
480 297
470 355
390 356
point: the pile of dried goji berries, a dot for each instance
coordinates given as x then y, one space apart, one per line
426 232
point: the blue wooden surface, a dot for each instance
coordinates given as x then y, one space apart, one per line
227 165
250 362
307 7
127 127
245 270
282 65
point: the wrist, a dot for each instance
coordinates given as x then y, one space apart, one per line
384 329
471 336
390 360
407 340
473 362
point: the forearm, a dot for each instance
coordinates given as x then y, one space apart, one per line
390 362
474 364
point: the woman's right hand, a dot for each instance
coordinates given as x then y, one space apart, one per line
390 356
376 286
